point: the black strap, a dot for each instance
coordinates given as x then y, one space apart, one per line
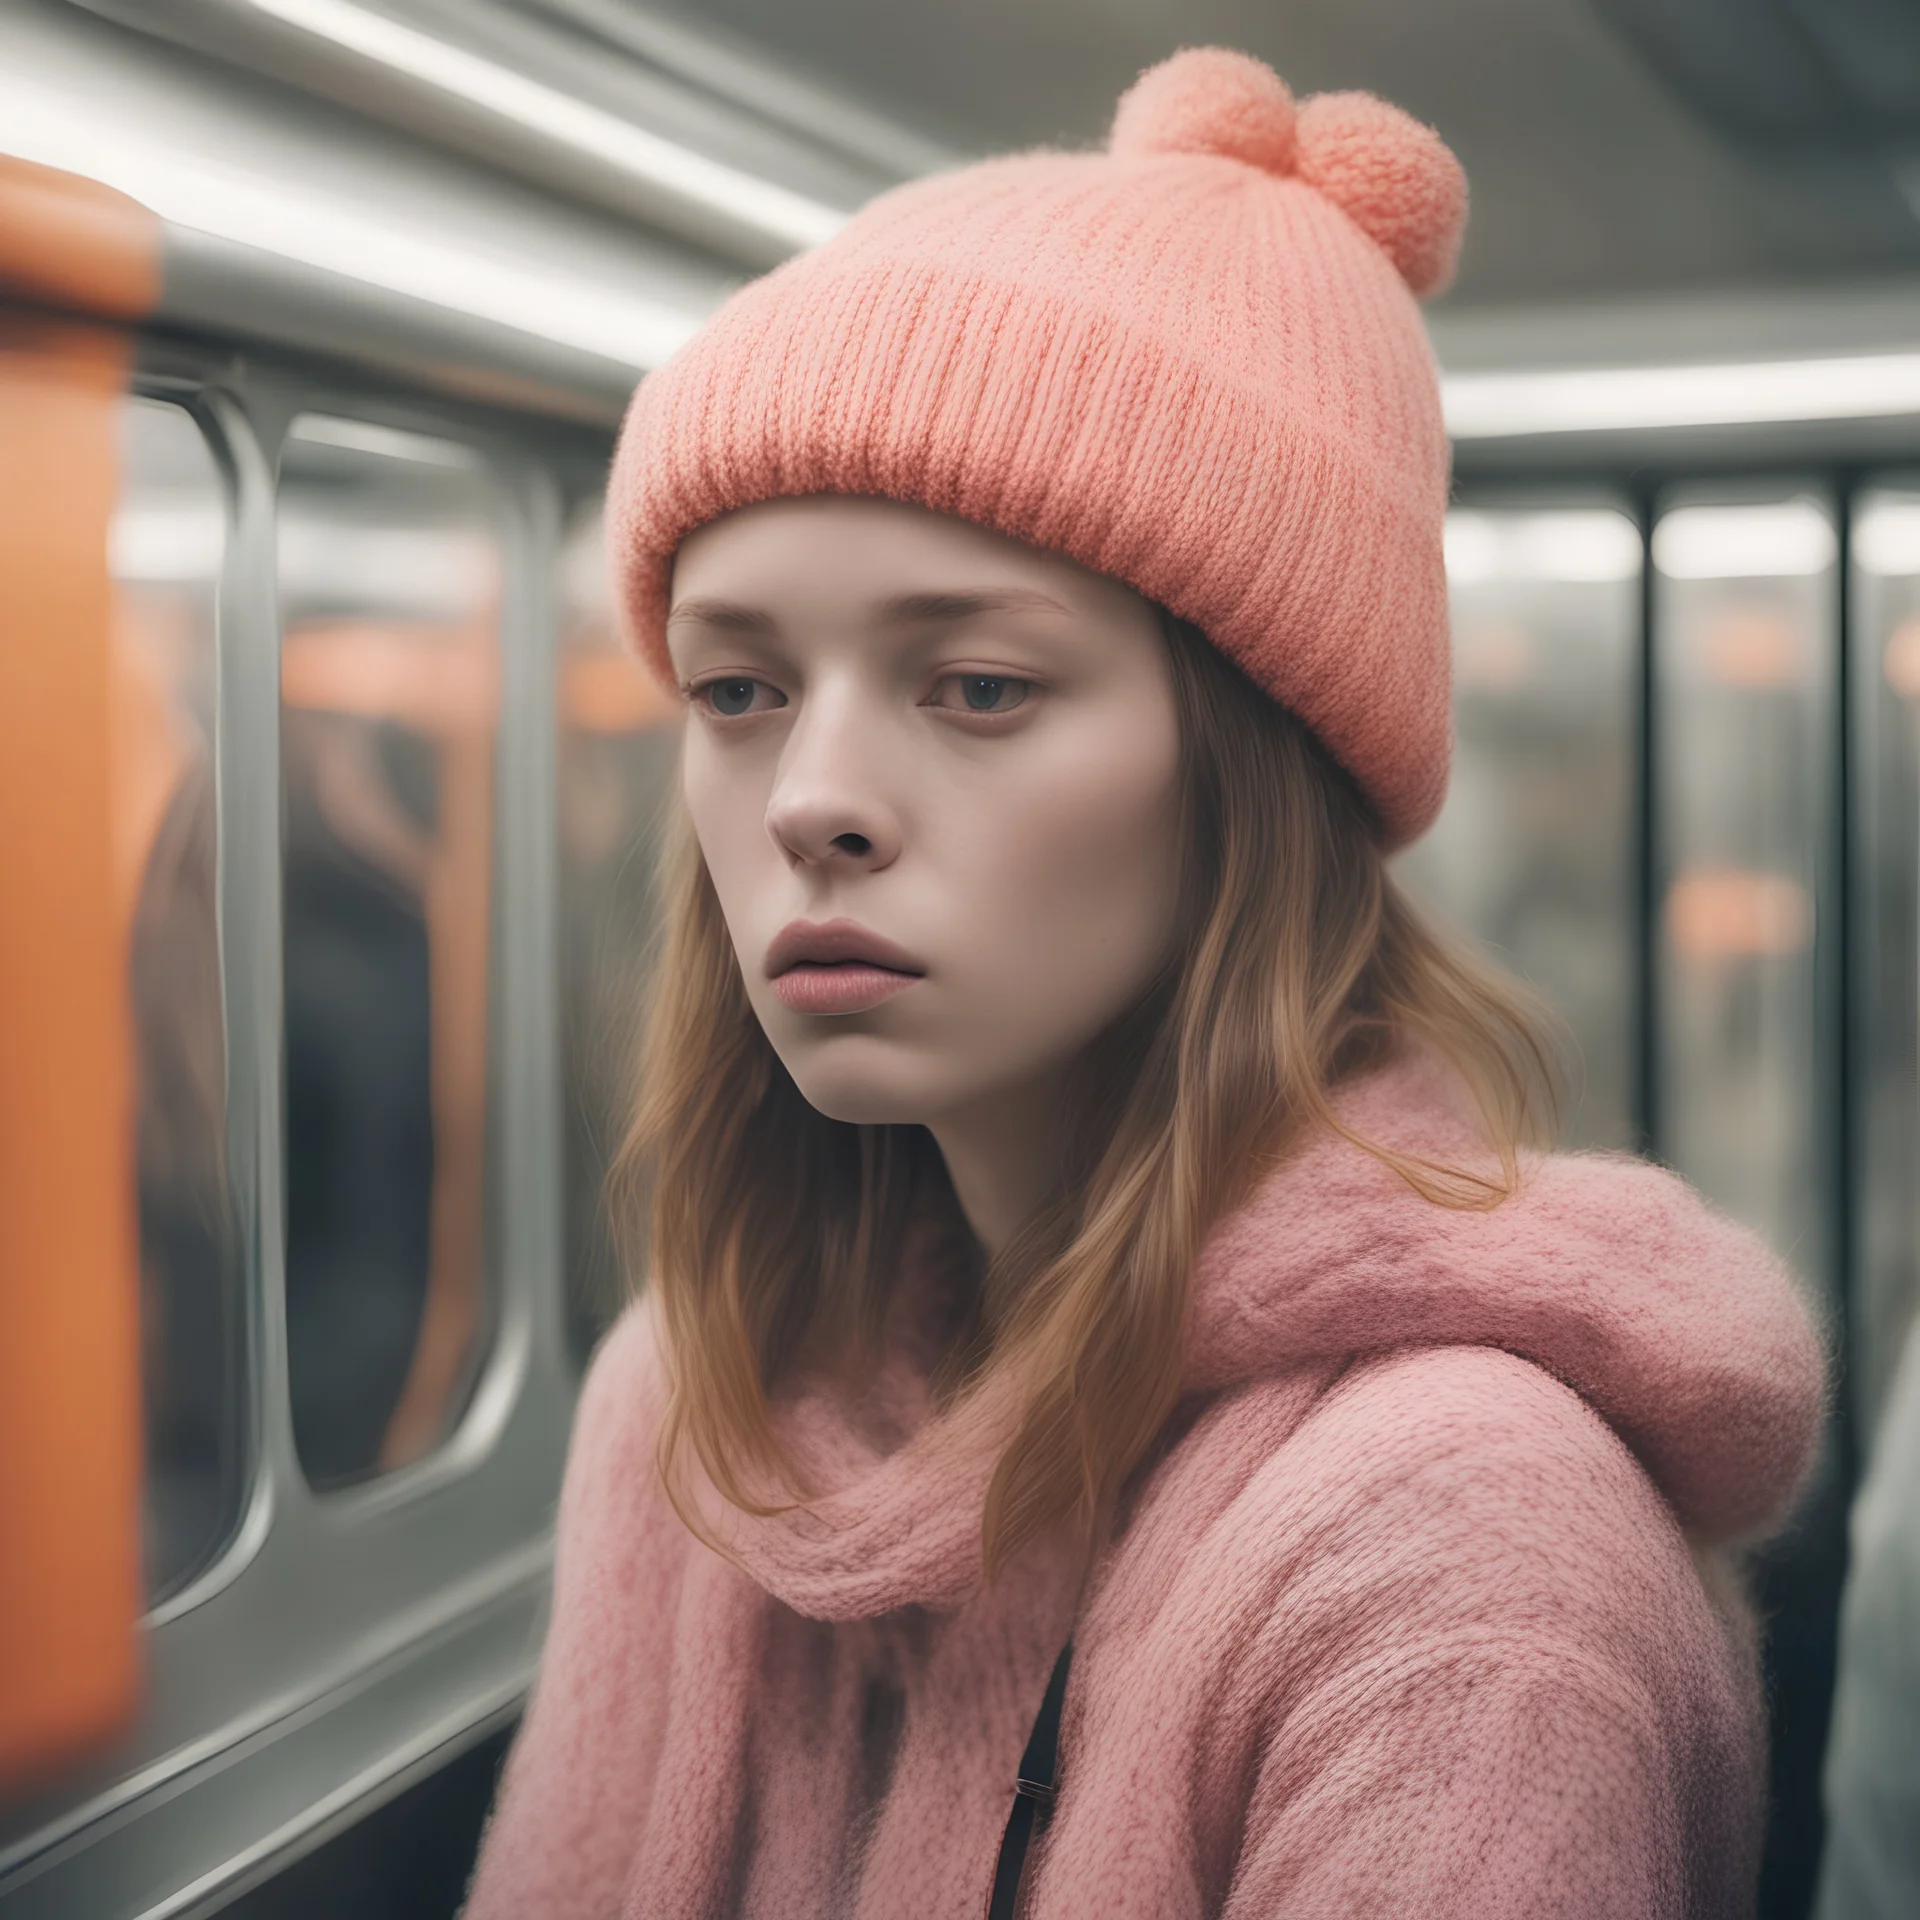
1032 1792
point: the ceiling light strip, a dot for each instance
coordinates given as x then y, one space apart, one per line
791 220
1499 406
393 255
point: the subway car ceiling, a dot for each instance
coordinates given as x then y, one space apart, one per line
413 255
635 166
1613 145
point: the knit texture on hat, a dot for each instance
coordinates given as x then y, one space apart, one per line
1194 362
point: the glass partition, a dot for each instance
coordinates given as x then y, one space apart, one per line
1533 854
390 582
1746 669
166 546
1886 678
619 735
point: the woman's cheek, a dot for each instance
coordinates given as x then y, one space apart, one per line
729 821
1085 907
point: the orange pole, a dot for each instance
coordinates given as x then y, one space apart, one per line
70 1469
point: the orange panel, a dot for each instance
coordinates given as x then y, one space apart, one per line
70 1469
72 243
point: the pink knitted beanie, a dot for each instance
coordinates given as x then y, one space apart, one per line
1193 362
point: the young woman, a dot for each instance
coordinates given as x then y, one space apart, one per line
1082 1203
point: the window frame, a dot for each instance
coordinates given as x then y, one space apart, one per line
341 1644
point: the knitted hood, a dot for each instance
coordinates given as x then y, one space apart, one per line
1675 1325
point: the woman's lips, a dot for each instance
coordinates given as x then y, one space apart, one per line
836 966
841 986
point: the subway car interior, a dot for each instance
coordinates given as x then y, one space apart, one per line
317 319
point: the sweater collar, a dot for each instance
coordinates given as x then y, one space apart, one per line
1674 1324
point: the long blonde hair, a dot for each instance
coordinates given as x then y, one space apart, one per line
772 1235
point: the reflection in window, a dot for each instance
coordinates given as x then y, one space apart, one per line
166 544
617 746
390 581
1886 655
1533 852
1746 667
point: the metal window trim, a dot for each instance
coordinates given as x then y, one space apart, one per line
504 1602
522 1229
495 1384
310 1589
247 776
1837 965
439 1745
225 436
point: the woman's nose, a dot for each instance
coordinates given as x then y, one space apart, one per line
828 805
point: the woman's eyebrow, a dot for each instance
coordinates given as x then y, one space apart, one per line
730 615
916 609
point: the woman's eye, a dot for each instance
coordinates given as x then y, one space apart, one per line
731 698
985 692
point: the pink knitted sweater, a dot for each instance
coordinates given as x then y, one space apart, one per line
1422 1608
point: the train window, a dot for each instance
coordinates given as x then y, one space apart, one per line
390 584
617 744
1532 852
1746 669
1886 657
167 542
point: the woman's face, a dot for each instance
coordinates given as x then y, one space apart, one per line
935 776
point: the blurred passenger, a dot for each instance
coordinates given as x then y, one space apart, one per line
1871 1869
359 1111
1122 1421
388 730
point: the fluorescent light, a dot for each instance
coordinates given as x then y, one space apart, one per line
1491 406
1771 541
155 540
788 217
384 443
1572 544
354 241
1886 537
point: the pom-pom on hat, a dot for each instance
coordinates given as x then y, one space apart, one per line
1194 362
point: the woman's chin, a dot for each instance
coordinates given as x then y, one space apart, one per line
861 1102
848 1072
870 1085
